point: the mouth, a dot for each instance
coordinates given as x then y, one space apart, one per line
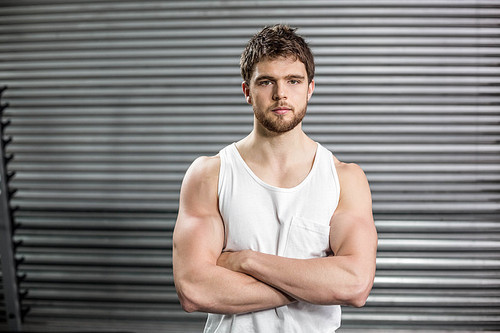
281 110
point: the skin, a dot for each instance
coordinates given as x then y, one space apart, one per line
282 155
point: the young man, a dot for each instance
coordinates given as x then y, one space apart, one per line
274 233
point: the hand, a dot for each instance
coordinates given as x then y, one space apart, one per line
238 260
233 260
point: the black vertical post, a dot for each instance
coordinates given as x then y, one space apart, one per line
7 251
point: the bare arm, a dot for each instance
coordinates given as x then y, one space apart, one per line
198 241
345 278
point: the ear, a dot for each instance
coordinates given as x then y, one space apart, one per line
246 92
310 90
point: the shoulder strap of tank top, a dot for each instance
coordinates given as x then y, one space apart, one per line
331 161
224 156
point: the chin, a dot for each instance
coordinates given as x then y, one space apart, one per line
279 123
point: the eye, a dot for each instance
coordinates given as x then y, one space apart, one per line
264 83
294 82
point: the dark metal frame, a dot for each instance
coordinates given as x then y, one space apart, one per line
7 246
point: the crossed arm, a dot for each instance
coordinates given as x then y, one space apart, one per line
201 284
246 281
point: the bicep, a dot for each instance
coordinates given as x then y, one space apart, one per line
199 232
196 240
353 231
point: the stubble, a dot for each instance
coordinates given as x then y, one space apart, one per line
279 123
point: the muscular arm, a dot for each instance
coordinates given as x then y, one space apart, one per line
345 278
197 243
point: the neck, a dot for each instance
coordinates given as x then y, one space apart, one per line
281 148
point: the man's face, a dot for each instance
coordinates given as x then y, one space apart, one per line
279 92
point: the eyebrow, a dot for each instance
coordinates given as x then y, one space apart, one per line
269 77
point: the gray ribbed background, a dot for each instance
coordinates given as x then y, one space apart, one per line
110 101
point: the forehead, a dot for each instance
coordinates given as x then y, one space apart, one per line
279 67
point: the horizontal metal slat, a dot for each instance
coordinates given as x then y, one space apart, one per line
216 140
379 300
377 187
236 90
437 263
234 71
151 195
84 259
108 281
412 320
110 195
366 50
100 295
396 197
400 110
252 11
345 42
211 31
130 177
187 158
438 245
240 129
236 100
242 118
340 24
437 226
94 241
32 8
177 177
408 206
151 166
87 258
478 148
96 221
430 207
111 310
18 85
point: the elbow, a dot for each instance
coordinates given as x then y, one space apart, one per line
358 301
359 293
187 297
188 305
355 293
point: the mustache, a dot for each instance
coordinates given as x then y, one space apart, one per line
281 105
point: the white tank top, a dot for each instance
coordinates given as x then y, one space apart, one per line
288 222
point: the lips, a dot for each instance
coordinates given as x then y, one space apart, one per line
281 110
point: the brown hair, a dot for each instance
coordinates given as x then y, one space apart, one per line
272 42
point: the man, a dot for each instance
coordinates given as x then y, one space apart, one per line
274 233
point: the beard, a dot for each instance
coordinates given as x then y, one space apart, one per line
279 123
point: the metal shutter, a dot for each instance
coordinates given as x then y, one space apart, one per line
110 101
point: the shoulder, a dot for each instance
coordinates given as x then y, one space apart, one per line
205 165
203 168
201 179
348 171
355 194
353 181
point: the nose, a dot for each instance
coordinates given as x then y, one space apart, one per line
279 92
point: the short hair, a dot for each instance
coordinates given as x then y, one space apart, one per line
272 42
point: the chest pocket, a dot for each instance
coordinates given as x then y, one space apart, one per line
307 239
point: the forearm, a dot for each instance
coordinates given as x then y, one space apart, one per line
329 280
215 289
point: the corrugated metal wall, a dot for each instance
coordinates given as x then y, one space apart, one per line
110 101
